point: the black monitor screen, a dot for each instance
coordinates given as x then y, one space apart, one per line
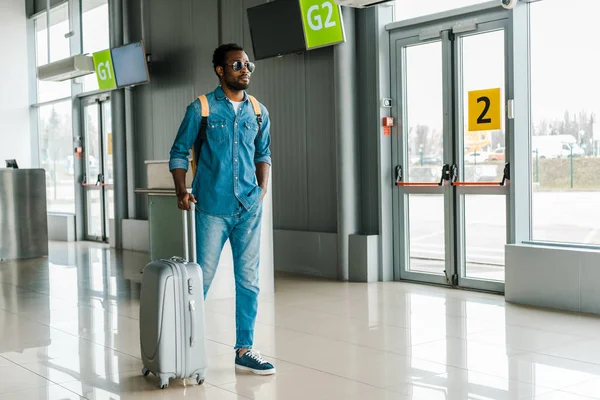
276 28
130 66
12 164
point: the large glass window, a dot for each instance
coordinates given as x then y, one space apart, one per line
59 49
56 155
95 34
566 136
407 9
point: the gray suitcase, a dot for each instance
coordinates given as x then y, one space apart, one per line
172 315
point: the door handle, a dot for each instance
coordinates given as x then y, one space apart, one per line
505 180
506 176
477 184
400 182
418 184
399 176
100 180
446 174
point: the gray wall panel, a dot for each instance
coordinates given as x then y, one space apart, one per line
320 141
173 49
232 24
310 253
281 87
366 36
144 141
297 90
142 109
204 41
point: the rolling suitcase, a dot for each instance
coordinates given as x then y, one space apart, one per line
172 315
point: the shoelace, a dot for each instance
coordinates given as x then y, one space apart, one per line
255 355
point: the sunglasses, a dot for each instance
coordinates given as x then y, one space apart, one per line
239 65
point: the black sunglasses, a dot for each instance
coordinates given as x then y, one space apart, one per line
239 65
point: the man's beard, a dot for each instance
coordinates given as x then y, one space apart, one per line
236 84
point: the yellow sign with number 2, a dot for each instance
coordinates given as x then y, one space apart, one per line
485 110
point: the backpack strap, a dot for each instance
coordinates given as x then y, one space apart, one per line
205 112
257 111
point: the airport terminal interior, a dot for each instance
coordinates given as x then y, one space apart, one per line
430 229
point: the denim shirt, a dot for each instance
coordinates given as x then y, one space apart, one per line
226 173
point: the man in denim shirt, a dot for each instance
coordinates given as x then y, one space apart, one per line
228 188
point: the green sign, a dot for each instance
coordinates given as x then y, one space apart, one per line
105 72
322 23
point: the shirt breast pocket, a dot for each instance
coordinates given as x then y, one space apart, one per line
250 130
216 131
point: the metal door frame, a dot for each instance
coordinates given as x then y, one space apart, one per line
460 217
474 20
96 100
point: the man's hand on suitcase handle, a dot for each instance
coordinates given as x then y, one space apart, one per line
183 201
183 196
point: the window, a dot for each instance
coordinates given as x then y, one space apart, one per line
565 134
59 49
55 123
56 155
407 9
95 34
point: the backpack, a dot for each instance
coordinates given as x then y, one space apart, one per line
205 112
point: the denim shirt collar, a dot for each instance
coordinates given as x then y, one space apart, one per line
220 94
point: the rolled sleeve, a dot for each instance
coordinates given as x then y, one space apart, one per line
263 144
186 136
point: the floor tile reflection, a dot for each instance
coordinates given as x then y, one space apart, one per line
50 392
69 329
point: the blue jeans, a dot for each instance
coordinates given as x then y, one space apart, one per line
243 231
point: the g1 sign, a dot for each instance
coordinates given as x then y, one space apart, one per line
104 70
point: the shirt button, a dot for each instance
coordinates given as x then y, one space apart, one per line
235 142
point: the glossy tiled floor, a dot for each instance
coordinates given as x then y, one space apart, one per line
69 330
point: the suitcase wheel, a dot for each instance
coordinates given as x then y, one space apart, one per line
164 382
145 371
199 380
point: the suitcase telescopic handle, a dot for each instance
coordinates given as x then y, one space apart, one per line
189 235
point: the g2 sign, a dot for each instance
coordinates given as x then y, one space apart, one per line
322 21
315 19
104 70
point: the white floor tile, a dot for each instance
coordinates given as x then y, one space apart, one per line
68 329
525 339
14 378
50 392
589 388
463 384
582 350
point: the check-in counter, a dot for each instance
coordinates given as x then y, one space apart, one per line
166 230
23 216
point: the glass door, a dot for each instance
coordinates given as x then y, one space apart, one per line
97 180
450 200
420 154
480 189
